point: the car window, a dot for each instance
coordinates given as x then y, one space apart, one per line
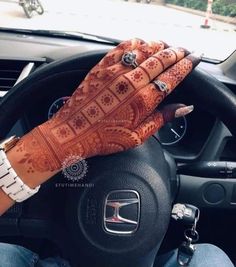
207 27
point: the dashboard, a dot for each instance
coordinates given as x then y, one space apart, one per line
200 136
186 139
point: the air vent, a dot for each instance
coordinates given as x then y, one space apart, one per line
12 72
9 73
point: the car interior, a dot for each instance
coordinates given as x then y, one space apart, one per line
191 160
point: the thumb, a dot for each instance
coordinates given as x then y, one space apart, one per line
159 117
169 112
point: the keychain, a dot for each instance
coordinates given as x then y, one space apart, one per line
189 214
187 249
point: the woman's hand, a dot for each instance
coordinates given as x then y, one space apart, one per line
112 110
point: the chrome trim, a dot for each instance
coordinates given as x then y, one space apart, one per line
25 72
117 204
3 93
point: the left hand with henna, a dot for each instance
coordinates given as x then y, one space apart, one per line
112 110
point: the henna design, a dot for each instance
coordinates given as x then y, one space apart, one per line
33 156
125 115
122 87
63 133
151 64
166 54
150 125
78 122
107 100
175 74
93 112
160 61
109 60
118 138
136 76
110 111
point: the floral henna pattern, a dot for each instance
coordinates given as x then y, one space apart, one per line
150 125
35 156
118 139
174 75
78 122
137 76
152 64
122 87
110 111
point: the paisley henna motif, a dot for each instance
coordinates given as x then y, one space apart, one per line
113 109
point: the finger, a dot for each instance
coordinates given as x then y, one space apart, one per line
172 111
144 103
176 73
154 66
142 49
146 50
114 56
157 119
142 52
111 67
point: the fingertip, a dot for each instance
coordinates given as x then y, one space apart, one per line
165 44
140 41
169 112
183 111
184 50
195 59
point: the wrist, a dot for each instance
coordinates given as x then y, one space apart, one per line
10 182
64 140
32 159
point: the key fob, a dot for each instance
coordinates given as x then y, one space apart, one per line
185 253
187 213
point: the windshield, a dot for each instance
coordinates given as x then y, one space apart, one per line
207 27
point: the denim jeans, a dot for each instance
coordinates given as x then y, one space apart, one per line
205 256
17 256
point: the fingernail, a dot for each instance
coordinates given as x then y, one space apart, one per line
186 52
140 41
180 112
195 58
165 45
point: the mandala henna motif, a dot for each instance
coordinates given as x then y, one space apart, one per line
112 109
78 122
107 100
126 115
151 64
137 76
122 87
118 138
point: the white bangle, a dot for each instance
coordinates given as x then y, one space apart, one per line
11 184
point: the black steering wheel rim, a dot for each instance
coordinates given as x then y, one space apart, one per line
205 90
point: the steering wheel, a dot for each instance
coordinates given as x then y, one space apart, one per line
121 220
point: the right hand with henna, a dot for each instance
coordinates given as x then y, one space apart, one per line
113 109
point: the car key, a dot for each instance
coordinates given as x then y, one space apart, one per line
187 213
185 252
